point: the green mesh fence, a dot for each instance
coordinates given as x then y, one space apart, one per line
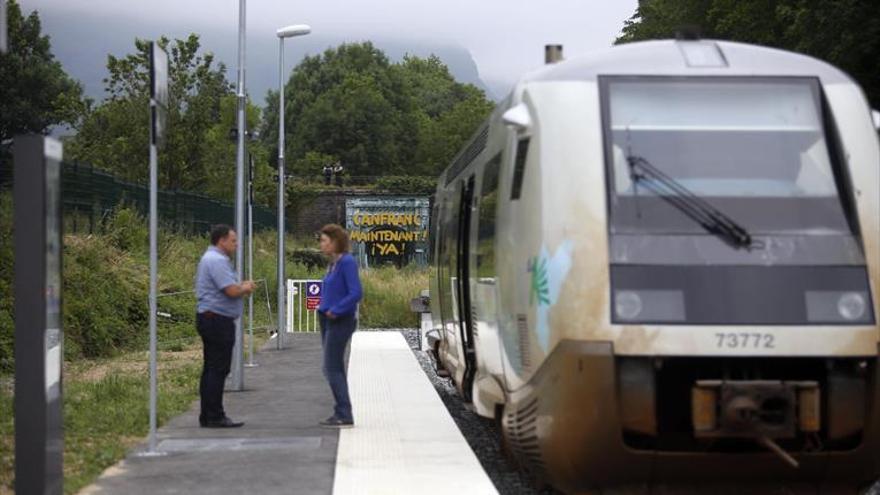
90 194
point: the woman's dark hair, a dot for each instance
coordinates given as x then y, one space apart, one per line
219 232
338 235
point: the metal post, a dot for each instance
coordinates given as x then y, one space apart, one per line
250 269
268 304
281 282
158 103
237 355
154 271
3 27
39 333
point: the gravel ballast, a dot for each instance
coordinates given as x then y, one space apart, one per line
483 435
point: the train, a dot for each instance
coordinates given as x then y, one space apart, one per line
656 266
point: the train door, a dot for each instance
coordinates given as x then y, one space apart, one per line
447 280
437 256
463 277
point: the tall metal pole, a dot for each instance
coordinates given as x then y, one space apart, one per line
154 275
3 28
250 268
237 355
281 282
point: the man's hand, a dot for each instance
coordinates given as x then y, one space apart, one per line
329 314
242 290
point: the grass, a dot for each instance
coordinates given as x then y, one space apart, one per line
106 409
104 418
387 292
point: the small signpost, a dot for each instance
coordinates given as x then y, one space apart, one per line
313 295
158 112
39 337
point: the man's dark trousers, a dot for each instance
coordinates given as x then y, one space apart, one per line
218 339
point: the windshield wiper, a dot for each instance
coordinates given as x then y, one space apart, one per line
695 207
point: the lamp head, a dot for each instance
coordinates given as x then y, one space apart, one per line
294 30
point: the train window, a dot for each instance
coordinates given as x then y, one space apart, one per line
746 145
432 224
486 220
519 167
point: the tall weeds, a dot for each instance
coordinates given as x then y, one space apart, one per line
106 279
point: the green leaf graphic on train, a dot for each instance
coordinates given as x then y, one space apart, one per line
540 284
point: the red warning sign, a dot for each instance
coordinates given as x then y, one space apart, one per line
312 303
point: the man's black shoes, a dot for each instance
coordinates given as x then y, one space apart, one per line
334 422
223 422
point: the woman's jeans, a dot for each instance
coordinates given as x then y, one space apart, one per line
335 334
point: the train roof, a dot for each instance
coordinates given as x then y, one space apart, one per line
685 58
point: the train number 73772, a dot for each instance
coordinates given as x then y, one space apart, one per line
745 340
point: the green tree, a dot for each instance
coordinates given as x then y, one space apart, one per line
845 33
35 92
441 139
346 103
447 112
202 109
377 117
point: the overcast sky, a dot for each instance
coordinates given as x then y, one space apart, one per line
505 37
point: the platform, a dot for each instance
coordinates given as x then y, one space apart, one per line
404 440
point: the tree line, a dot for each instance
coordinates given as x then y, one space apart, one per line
351 104
845 33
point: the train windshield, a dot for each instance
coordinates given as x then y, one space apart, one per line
755 149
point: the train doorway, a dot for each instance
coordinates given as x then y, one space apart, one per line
466 320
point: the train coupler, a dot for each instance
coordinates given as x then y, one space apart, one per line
755 408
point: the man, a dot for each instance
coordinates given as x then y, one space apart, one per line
328 173
338 171
219 305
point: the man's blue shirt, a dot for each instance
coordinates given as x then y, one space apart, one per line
214 274
342 287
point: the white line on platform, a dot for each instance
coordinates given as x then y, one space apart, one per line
404 440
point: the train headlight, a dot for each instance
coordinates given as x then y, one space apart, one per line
627 305
851 306
648 305
837 307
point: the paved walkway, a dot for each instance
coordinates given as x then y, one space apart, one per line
281 449
404 442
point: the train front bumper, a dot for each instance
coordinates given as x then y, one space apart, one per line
578 426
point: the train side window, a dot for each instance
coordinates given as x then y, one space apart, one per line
486 219
432 225
519 168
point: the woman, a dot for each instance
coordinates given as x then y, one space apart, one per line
338 318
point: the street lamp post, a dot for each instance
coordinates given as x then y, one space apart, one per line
285 32
237 355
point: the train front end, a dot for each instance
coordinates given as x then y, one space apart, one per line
717 320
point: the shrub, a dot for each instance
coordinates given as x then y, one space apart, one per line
387 292
403 184
105 301
127 230
7 302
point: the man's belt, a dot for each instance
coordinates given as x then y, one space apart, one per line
211 314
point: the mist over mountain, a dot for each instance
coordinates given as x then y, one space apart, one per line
83 43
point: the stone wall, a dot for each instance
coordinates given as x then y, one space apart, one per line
327 207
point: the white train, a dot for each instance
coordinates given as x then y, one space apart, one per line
658 264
